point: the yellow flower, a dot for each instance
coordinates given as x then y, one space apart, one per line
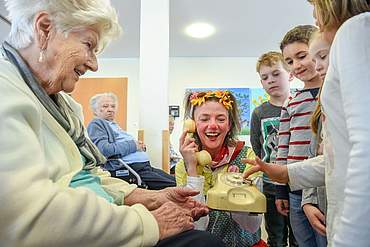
219 94
223 97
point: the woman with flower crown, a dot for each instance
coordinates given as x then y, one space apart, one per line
217 122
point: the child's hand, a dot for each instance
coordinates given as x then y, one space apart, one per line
282 206
257 165
277 173
316 218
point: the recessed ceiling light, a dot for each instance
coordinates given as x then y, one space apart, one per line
200 30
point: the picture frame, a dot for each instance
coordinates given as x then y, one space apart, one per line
174 110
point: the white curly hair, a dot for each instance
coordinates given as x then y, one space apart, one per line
66 15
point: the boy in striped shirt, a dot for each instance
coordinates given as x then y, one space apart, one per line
296 140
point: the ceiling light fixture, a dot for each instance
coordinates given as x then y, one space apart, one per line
200 30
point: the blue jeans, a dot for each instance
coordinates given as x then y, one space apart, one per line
305 235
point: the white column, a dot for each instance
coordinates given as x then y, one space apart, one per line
154 58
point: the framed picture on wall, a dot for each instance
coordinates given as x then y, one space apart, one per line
174 110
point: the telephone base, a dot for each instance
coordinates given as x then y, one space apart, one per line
232 193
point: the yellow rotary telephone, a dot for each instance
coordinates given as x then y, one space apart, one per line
233 193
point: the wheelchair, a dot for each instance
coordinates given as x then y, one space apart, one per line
127 174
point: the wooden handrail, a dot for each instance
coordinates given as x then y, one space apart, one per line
140 135
165 147
166 150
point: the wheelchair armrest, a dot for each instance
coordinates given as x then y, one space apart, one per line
137 176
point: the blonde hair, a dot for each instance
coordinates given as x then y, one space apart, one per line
234 116
269 59
315 118
315 35
65 14
301 34
316 115
332 13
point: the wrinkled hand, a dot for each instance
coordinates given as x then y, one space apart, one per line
140 146
183 198
282 206
316 218
277 173
172 219
188 148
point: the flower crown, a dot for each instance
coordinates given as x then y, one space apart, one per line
224 97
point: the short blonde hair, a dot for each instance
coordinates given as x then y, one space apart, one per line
65 14
301 34
271 58
332 13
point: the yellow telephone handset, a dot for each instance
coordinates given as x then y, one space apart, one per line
203 157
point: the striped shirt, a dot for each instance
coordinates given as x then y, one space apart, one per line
295 134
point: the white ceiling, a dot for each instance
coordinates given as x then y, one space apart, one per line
245 28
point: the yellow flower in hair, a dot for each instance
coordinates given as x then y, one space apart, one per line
197 99
223 97
219 94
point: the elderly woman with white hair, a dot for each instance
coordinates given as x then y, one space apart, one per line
52 191
115 143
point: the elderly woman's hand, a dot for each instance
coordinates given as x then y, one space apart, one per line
183 198
154 199
172 219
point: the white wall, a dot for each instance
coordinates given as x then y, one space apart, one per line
183 73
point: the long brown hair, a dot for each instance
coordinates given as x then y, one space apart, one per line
332 13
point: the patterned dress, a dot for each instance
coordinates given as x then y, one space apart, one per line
220 222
